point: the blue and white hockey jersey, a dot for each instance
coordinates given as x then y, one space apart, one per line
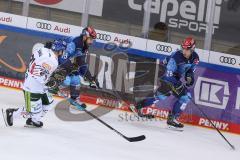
177 66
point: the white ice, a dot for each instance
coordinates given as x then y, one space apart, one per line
61 140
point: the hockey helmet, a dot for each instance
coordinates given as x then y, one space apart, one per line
188 43
59 45
89 32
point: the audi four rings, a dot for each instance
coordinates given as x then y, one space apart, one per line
104 37
228 60
163 48
43 25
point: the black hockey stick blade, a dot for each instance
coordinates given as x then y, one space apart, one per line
135 139
130 139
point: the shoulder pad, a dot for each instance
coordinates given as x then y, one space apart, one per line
195 55
177 55
71 47
69 39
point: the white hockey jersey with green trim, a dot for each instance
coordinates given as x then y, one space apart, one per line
42 64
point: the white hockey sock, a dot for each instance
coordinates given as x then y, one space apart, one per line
36 110
21 112
46 108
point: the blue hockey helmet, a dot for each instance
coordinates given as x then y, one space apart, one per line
59 45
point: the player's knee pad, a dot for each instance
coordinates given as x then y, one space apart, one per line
67 81
184 100
183 106
75 80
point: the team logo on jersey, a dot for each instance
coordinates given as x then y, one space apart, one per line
196 61
46 66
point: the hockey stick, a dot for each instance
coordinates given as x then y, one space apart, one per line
4 118
214 126
117 97
206 116
130 139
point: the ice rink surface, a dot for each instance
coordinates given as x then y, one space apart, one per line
90 140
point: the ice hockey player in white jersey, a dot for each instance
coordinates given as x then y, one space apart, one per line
43 63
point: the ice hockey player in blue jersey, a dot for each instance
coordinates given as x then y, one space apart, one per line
73 64
181 63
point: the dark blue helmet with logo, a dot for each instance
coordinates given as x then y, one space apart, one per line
59 45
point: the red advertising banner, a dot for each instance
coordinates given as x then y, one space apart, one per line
95 9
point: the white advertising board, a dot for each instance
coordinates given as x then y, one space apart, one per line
156 47
13 20
53 27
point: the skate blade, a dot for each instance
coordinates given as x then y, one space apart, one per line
147 116
30 126
77 108
174 128
4 118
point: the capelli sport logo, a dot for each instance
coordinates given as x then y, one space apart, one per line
183 14
22 67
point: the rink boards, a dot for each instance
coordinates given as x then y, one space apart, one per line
158 112
216 89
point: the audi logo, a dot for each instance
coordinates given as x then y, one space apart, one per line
228 60
163 48
104 37
43 25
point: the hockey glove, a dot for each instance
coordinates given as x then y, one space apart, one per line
189 78
55 80
94 83
177 89
53 90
